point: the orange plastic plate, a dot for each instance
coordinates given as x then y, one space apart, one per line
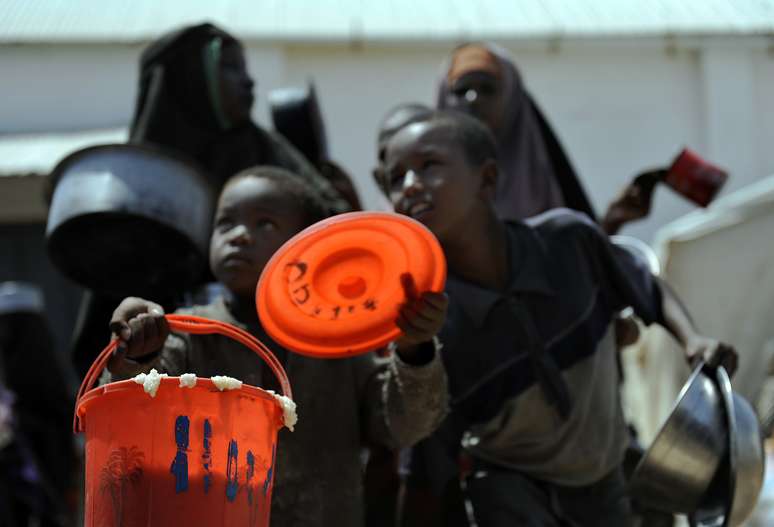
334 289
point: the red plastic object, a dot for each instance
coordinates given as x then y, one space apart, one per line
188 456
695 178
334 289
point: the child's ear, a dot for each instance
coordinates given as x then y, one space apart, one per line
489 173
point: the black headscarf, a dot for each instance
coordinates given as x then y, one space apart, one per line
535 172
178 108
175 108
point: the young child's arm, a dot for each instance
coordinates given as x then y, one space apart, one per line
405 400
420 320
630 282
142 329
679 323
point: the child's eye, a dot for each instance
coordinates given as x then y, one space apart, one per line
266 225
430 163
224 224
396 178
459 91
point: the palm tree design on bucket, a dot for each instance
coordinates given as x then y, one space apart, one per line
124 468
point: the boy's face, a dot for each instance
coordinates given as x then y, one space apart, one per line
254 218
429 178
387 130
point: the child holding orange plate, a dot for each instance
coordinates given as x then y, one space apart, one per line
529 347
344 403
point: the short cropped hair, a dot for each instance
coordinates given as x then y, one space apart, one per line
475 138
310 204
409 112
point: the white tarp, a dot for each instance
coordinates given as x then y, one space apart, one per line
721 263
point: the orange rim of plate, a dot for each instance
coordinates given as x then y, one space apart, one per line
334 289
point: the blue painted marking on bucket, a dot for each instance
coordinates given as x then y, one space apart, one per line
270 472
232 471
207 456
250 474
180 464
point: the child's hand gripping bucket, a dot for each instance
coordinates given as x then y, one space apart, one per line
188 456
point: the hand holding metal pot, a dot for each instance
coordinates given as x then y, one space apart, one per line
713 352
707 460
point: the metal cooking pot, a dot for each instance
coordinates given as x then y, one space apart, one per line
678 468
734 493
296 115
130 219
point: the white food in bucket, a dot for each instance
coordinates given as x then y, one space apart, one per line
289 415
223 382
188 380
150 381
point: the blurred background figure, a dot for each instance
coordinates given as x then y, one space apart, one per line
38 461
535 173
195 97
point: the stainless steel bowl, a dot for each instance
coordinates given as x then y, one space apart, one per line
734 493
679 466
750 461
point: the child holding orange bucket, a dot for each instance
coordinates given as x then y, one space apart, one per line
529 341
343 404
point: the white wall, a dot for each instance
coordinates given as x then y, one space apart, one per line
72 87
60 88
618 108
763 97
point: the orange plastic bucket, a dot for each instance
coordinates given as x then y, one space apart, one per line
188 456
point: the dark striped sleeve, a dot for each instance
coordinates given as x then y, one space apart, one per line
625 279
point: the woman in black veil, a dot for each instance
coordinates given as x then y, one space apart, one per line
195 96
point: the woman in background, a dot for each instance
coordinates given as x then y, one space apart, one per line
195 97
38 458
481 80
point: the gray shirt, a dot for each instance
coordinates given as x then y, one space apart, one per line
343 405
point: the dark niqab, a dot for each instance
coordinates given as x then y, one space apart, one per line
175 109
535 173
173 103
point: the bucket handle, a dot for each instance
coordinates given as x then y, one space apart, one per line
195 326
